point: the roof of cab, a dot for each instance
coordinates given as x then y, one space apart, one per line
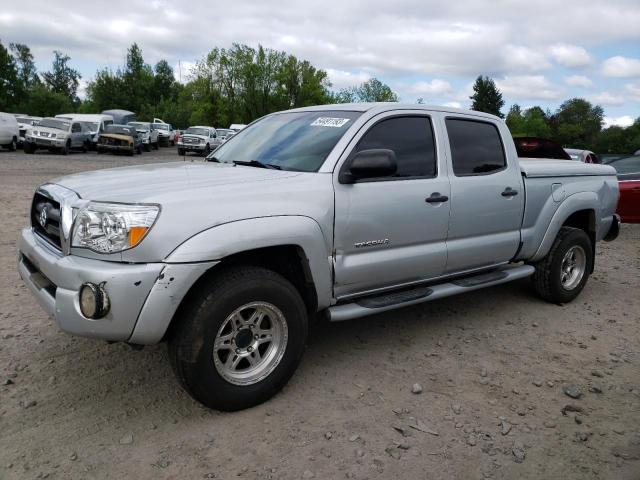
379 107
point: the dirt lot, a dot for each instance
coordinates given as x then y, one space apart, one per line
492 366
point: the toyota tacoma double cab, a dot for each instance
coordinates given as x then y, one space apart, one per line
335 211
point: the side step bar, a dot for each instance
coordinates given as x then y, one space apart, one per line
393 300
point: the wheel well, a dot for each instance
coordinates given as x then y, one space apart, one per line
585 220
290 261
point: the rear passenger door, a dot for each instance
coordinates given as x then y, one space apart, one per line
487 196
386 232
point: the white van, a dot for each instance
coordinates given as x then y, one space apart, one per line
93 122
8 131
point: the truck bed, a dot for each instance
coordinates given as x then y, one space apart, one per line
542 167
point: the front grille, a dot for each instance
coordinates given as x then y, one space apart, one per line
191 140
47 225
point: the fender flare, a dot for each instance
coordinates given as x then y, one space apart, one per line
573 203
226 239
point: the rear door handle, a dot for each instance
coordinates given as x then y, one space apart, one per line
509 192
436 198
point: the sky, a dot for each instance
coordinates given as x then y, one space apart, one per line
538 52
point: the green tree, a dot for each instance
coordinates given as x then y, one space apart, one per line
618 139
532 122
44 102
8 80
486 97
62 78
577 123
373 90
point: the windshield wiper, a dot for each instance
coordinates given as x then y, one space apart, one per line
212 158
256 163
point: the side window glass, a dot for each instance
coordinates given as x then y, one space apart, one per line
411 138
476 147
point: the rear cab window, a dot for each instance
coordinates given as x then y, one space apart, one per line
476 147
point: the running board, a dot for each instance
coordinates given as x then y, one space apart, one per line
393 300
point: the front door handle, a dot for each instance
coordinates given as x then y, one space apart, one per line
509 192
436 198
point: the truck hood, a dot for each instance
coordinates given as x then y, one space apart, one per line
160 183
194 197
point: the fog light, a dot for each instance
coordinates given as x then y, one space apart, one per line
94 301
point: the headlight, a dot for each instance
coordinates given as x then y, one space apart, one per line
112 227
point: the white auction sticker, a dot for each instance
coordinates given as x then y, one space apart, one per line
329 122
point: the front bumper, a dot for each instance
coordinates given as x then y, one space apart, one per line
114 148
45 142
143 297
192 147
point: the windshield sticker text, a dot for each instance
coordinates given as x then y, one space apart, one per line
329 122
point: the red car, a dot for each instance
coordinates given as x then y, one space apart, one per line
629 182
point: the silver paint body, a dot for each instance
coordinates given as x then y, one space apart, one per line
210 211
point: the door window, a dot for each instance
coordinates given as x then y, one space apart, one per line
476 147
411 138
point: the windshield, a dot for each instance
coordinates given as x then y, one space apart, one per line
140 126
197 131
91 126
55 123
297 141
223 132
119 130
160 126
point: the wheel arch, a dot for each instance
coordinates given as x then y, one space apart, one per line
578 211
293 246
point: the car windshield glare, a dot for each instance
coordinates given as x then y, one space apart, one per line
160 126
119 130
139 126
55 123
196 131
299 141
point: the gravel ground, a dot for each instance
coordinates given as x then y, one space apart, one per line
492 367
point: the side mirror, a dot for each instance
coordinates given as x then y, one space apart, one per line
373 163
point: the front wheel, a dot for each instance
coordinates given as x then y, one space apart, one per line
563 273
13 146
65 150
239 339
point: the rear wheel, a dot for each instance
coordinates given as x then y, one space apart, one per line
239 339
563 273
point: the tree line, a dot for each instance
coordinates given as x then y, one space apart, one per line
241 83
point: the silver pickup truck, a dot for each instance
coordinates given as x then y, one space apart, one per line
339 210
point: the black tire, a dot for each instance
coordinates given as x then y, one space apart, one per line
156 146
547 279
181 152
13 146
131 153
139 150
65 150
28 148
147 147
207 151
197 323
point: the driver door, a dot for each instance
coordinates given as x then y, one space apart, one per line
387 232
